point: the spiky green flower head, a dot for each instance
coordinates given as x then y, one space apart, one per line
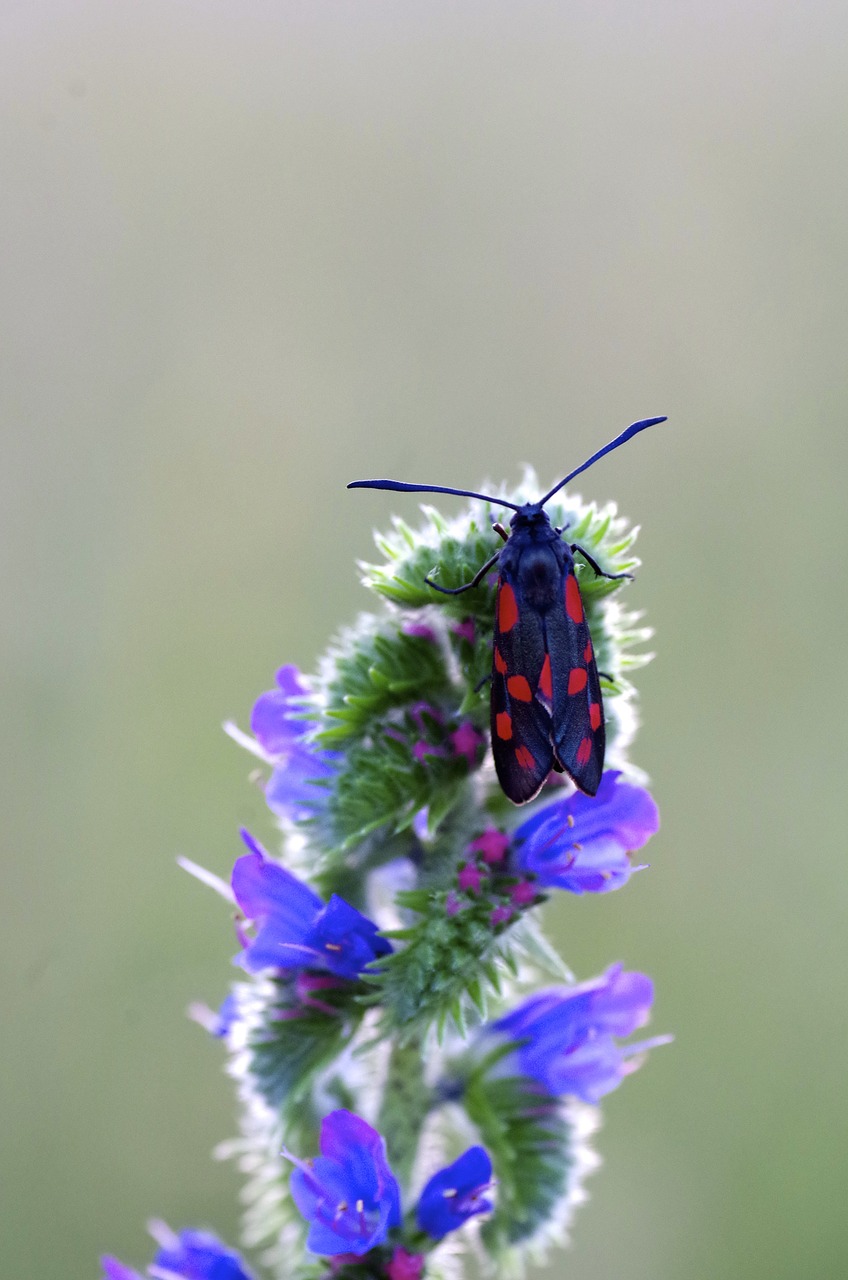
398 717
403 700
386 796
409 1098
435 651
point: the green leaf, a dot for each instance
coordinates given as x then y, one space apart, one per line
531 1140
285 1052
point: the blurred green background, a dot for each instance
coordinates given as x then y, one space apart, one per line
252 251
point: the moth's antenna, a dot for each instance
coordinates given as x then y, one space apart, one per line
626 435
400 486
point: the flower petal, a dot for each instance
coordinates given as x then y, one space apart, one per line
455 1194
115 1270
346 940
582 843
563 1037
283 907
276 719
348 1194
198 1255
263 887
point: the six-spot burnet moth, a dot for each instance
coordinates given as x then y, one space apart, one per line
547 710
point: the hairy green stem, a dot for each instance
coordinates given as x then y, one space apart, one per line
405 1106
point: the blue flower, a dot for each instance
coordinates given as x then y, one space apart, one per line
280 729
218 1023
455 1194
349 1194
191 1255
295 929
582 843
197 1255
351 1198
564 1037
277 719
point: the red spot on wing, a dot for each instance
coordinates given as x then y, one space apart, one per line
573 603
519 689
525 757
577 680
545 684
507 607
584 751
500 665
595 714
503 725
588 655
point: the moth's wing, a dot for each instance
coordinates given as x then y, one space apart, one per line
522 741
577 708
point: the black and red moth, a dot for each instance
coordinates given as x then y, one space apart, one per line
547 709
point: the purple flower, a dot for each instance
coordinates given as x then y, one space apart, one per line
220 1023
419 629
469 878
348 1194
455 1194
405 1266
466 742
421 750
524 894
420 824
582 843
492 844
564 1037
293 791
429 721
295 929
277 718
191 1255
197 1255
115 1270
465 630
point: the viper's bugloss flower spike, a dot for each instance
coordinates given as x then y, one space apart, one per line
582 843
456 1194
296 929
380 774
563 1037
191 1255
348 1194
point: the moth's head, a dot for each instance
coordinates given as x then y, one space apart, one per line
530 516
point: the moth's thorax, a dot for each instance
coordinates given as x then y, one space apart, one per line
534 558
